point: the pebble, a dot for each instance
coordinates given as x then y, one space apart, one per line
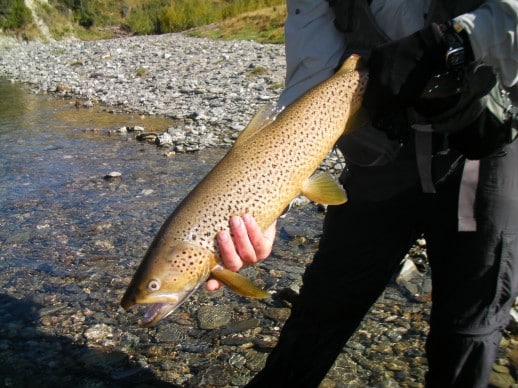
113 175
213 317
103 73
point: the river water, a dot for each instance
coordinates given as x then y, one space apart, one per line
54 160
70 240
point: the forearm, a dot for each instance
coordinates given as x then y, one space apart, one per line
493 33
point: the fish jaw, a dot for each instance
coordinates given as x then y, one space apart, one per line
158 306
167 276
155 312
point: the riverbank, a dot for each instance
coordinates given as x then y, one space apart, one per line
199 81
69 312
210 88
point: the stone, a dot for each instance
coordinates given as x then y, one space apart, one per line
213 317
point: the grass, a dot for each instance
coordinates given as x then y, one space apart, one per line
260 20
265 25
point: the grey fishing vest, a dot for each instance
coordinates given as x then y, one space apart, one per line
369 146
354 18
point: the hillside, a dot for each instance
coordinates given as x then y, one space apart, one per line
260 20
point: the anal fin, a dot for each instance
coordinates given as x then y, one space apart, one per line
238 283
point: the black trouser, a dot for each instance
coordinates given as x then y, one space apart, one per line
474 276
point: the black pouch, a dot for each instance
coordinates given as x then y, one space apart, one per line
483 119
486 136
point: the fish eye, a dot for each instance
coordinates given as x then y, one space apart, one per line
153 285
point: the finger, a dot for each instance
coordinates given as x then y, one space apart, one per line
212 285
229 256
262 242
244 246
270 232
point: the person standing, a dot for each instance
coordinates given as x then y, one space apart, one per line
438 159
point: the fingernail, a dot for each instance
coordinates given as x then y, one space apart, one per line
235 221
223 236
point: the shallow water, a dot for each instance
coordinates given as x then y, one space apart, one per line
54 158
70 240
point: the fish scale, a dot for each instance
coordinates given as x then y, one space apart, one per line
268 166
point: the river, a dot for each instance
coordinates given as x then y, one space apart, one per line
54 161
71 238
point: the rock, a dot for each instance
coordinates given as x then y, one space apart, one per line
164 139
501 378
136 128
513 322
98 333
278 314
149 137
114 175
409 277
213 317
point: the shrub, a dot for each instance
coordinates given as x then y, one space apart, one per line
14 14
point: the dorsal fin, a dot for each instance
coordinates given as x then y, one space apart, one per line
266 115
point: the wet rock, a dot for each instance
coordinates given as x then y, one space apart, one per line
241 326
136 128
501 377
164 139
114 175
149 137
213 317
265 342
277 314
98 333
171 333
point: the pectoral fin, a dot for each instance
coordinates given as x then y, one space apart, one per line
322 188
238 283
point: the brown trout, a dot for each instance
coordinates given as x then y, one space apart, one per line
271 162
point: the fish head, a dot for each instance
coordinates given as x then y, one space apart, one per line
167 276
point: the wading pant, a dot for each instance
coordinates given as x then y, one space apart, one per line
474 277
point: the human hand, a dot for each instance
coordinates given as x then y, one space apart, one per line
249 245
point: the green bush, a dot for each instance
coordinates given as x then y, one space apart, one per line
137 16
145 19
184 14
14 14
86 13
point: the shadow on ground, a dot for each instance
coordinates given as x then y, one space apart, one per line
29 357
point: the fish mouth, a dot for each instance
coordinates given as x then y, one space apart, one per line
156 312
158 306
